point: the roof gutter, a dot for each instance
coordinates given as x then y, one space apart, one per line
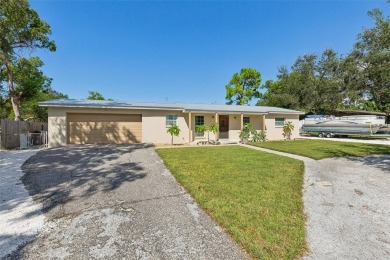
110 107
287 112
224 112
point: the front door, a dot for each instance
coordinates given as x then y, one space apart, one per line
224 127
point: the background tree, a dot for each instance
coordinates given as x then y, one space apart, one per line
314 85
371 58
278 93
20 29
329 88
323 84
31 86
243 87
28 80
94 95
33 112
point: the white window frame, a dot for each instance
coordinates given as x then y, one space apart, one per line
277 122
171 120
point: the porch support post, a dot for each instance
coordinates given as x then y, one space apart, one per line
216 121
242 121
189 128
263 124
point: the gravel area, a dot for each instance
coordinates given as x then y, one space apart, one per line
21 217
347 206
348 209
117 202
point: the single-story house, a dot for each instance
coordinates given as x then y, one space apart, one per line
93 121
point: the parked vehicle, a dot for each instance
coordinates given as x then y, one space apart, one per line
326 126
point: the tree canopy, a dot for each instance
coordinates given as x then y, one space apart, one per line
243 86
94 95
21 29
371 54
313 84
325 83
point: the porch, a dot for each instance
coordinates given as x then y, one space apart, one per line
230 125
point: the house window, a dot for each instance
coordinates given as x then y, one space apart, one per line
171 120
246 120
279 121
199 120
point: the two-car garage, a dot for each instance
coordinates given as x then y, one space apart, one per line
89 128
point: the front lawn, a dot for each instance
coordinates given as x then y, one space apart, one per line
255 196
320 149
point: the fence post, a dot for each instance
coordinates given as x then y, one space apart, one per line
2 135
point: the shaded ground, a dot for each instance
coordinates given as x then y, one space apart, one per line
117 202
347 206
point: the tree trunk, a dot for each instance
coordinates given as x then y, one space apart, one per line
172 140
12 93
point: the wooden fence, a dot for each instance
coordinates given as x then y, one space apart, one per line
10 132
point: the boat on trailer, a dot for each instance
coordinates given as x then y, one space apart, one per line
343 126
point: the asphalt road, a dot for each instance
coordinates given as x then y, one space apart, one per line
117 202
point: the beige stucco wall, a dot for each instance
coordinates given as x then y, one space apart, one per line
154 128
276 132
234 127
209 118
56 127
234 124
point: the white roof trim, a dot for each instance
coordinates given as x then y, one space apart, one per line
184 107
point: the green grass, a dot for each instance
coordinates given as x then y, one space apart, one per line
320 149
255 196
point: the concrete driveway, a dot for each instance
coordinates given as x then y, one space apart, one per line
116 202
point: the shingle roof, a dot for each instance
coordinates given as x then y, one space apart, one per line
186 107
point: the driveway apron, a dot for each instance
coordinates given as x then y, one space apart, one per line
117 202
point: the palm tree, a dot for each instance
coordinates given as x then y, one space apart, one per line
173 130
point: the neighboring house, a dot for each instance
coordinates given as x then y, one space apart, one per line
93 121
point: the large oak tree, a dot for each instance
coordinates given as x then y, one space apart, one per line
21 29
371 58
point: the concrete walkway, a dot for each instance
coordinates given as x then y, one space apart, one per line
351 140
347 206
117 202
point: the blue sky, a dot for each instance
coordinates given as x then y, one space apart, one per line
187 51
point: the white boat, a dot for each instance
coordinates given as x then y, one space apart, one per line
361 119
346 125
